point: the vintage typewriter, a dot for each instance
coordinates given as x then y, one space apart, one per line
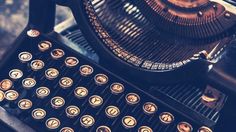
122 65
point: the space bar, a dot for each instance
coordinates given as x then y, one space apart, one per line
13 122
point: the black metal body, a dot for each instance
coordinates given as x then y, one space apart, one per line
42 19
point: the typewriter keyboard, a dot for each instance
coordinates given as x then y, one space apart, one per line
50 87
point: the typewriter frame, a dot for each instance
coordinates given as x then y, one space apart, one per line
42 24
48 13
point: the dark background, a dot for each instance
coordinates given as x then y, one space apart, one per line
14 17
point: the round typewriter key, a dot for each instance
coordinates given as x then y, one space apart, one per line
57 102
132 98
103 129
53 123
24 104
44 45
38 113
2 96
57 53
129 122
87 121
101 79
37 65
11 95
5 84
184 127
28 83
42 92
33 33
51 73
145 129
71 61
204 129
65 82
72 111
149 108
112 111
117 88
81 92
25 57
15 74
86 70
166 117
95 101
66 129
